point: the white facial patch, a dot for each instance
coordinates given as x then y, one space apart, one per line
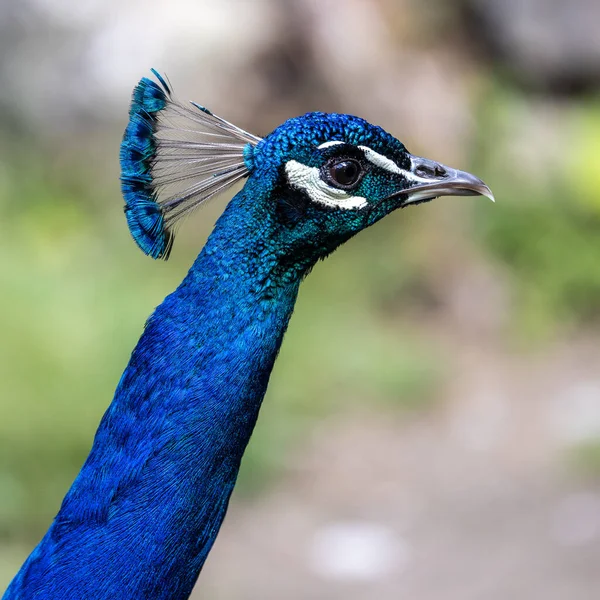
383 162
309 180
329 144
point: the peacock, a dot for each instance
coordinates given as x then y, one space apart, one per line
146 507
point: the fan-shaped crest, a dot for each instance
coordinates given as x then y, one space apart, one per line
175 157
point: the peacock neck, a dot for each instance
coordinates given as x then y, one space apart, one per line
148 503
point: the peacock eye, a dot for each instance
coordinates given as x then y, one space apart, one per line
345 173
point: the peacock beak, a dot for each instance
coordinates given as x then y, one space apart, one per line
429 179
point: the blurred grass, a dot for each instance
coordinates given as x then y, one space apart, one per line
545 228
584 459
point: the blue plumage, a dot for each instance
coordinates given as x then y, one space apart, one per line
146 507
138 148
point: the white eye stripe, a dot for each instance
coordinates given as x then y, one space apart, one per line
329 144
381 161
309 180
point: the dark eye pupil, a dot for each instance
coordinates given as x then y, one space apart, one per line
345 173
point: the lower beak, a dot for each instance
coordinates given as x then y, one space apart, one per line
430 180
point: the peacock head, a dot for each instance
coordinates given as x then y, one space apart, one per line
317 179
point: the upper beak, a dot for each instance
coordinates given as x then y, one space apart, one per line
430 180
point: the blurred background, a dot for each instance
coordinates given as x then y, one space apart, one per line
432 429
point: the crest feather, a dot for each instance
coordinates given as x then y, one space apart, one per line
174 157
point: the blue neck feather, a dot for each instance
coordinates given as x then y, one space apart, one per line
145 509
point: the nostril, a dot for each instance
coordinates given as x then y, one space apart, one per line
430 171
424 171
